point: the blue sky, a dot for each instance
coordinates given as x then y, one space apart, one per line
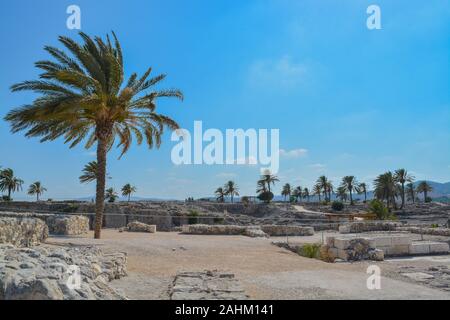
359 101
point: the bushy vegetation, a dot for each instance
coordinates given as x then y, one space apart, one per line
378 208
310 250
337 206
193 217
265 196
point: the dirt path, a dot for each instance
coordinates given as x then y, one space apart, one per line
265 271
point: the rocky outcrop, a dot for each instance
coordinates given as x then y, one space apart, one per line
55 273
23 232
351 249
213 229
137 226
366 226
206 285
67 225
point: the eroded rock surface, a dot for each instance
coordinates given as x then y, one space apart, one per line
137 226
206 285
50 273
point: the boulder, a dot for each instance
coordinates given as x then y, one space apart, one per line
136 226
23 232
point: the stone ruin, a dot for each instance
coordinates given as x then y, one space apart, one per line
58 224
22 232
251 231
206 285
33 270
367 226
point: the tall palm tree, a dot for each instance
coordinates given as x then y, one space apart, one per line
220 194
322 181
128 190
269 179
286 191
317 190
411 191
349 184
401 176
36 189
362 189
424 187
306 194
83 96
385 188
342 193
261 186
231 190
330 189
111 195
298 193
9 182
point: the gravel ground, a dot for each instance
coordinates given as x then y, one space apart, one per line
265 271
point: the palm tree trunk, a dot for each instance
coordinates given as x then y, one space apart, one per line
101 177
365 196
403 195
9 193
37 197
351 198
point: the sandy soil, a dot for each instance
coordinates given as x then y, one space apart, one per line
264 270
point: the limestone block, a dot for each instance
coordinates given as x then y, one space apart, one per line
341 243
401 240
439 247
398 250
136 226
419 248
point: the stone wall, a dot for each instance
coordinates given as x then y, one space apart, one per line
22 232
366 226
67 225
45 273
136 226
351 249
213 229
445 232
276 230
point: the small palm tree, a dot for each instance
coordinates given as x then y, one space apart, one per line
298 193
220 194
128 190
401 176
317 190
36 189
306 194
424 187
342 193
261 186
9 182
269 179
83 97
111 195
349 183
231 190
386 189
286 191
362 189
411 191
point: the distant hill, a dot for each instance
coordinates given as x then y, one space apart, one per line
440 190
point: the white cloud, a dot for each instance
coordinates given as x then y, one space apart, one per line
292 154
282 72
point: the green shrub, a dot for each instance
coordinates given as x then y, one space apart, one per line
310 250
6 198
337 206
193 217
434 225
428 199
378 208
71 208
266 196
219 220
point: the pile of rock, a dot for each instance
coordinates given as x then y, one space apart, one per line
251 231
366 226
67 224
206 285
137 226
55 273
24 232
352 249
